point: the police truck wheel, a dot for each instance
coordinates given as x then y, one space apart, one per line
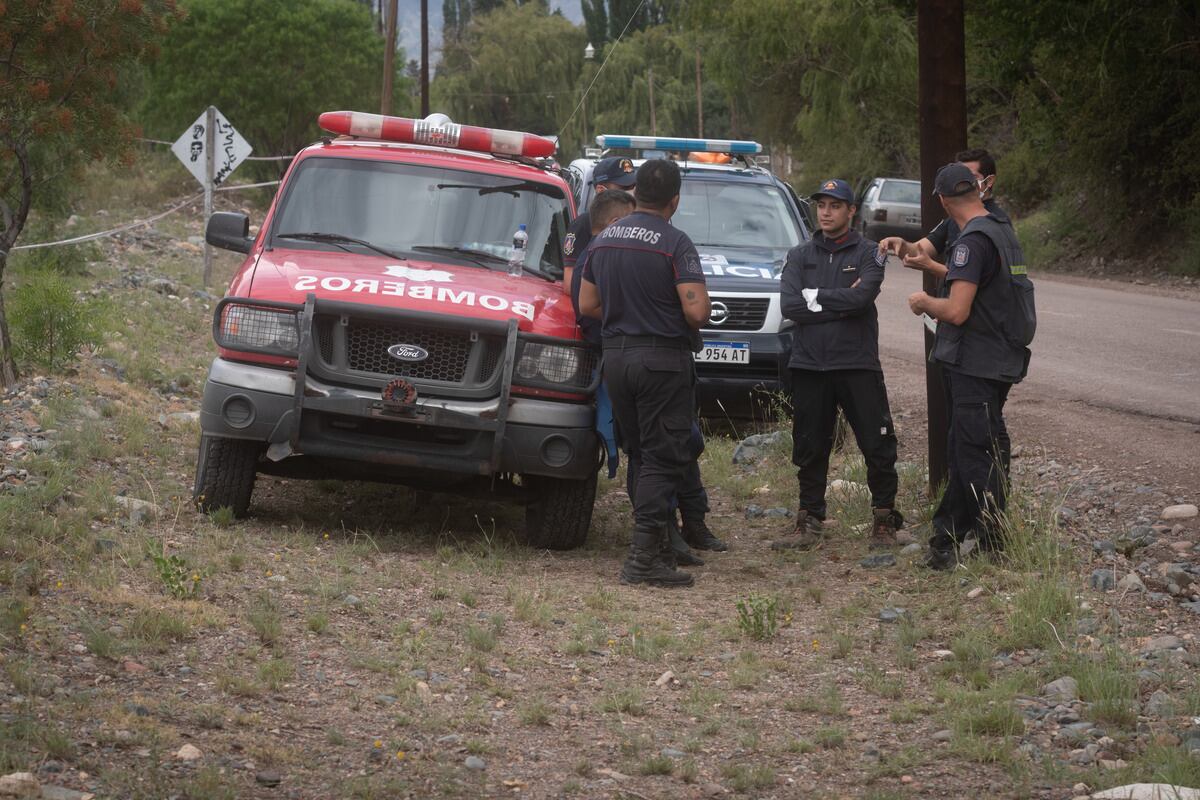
225 473
558 512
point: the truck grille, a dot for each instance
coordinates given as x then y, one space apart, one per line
359 348
745 313
367 345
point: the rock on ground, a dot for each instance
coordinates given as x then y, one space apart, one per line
1063 690
20 784
1182 511
1148 791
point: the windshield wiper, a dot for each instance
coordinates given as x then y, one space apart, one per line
477 257
338 239
508 188
467 253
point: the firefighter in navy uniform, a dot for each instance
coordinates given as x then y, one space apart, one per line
986 320
828 289
644 282
609 173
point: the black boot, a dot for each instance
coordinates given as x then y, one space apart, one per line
681 554
645 565
697 534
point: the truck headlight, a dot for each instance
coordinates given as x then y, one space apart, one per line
552 363
263 329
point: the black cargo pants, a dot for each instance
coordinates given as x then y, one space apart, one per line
977 455
862 396
651 383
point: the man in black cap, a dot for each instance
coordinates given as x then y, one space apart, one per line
922 254
644 282
986 320
829 286
609 173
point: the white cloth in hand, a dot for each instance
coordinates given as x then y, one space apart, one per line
810 297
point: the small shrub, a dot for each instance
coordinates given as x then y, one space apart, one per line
481 639
757 616
829 738
264 617
49 323
656 765
156 627
173 571
624 701
536 713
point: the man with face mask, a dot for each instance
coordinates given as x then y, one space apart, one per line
923 254
986 321
828 289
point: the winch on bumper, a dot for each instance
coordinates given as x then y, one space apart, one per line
486 402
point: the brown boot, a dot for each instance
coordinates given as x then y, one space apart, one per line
883 528
807 534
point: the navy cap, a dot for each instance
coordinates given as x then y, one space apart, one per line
954 180
620 171
836 188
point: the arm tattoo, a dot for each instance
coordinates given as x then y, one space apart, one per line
691 295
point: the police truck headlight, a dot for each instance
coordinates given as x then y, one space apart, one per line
550 363
250 328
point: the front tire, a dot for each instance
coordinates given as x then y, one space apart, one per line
558 512
225 474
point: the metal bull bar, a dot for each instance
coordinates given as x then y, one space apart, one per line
419 413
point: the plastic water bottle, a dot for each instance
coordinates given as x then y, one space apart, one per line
516 256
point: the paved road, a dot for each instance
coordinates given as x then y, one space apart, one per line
1104 347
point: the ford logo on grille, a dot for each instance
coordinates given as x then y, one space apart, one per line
719 313
408 352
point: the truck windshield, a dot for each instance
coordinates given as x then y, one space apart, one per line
407 209
729 214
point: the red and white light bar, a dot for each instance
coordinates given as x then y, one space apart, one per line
439 131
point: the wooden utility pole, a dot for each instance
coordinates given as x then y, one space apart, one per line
942 117
699 99
389 60
424 58
653 121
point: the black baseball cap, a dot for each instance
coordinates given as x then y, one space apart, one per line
836 188
620 171
954 180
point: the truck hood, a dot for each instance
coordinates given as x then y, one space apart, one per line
742 269
290 275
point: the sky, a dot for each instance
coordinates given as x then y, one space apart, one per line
409 32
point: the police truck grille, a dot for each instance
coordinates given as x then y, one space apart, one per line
745 313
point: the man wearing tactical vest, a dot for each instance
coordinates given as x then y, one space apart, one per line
986 321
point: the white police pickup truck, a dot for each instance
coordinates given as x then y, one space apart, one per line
743 220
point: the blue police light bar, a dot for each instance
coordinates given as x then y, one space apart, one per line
608 141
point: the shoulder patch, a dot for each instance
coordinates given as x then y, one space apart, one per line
961 254
569 244
692 266
880 257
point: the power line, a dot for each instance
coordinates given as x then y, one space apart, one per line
603 64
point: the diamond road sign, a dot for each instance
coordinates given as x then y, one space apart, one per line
229 149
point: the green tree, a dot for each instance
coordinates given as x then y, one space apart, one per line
1099 100
60 102
271 66
836 81
516 67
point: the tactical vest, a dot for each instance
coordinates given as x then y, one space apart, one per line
994 341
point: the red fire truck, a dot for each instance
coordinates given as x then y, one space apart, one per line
381 327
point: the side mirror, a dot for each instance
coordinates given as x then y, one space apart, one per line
229 231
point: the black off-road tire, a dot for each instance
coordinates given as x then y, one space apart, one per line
558 512
225 473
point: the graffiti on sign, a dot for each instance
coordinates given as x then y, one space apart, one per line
229 148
